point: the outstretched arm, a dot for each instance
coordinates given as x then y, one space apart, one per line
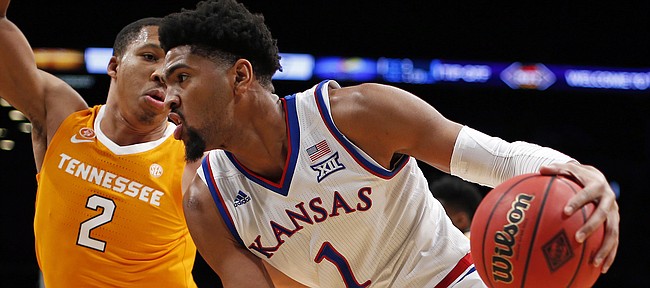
18 73
44 99
385 121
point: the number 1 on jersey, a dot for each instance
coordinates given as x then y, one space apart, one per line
328 252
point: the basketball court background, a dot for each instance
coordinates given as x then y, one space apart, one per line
605 128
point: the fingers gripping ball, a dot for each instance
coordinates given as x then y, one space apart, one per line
522 238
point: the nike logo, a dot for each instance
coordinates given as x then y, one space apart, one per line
74 139
87 135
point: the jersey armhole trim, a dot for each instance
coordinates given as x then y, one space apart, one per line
376 170
218 200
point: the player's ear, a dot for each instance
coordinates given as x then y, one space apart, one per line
243 70
111 70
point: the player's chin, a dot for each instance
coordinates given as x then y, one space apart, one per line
193 152
152 114
149 117
194 145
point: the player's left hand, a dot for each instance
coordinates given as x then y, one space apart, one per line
596 190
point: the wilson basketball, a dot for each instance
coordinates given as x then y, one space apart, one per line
520 236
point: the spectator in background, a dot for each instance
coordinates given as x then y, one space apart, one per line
460 199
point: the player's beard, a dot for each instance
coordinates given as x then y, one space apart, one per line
194 146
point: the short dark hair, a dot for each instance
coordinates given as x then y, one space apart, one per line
130 32
456 192
224 30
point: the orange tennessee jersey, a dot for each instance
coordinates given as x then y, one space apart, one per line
109 215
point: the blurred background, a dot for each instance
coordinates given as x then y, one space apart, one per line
570 75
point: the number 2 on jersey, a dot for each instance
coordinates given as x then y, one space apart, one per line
328 252
108 208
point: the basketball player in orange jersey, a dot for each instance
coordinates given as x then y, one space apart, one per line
322 186
108 205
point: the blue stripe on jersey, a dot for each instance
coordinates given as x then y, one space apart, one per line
369 166
223 210
293 132
470 271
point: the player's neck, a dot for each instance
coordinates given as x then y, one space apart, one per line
124 132
264 150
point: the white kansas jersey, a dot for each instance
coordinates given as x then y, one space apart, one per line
337 218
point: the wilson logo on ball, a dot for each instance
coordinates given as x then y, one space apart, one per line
505 239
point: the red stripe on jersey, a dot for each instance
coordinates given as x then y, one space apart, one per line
457 271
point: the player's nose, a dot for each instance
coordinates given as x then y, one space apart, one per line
157 76
172 101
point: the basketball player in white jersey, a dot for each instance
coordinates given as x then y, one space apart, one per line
321 188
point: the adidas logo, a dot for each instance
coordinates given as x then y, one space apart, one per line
241 198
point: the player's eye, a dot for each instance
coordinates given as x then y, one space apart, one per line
149 57
182 77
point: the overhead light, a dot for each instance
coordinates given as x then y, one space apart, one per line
4 103
58 59
25 127
7 145
97 59
16 115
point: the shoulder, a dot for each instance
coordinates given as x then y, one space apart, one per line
197 200
59 95
366 95
368 101
74 121
61 101
354 93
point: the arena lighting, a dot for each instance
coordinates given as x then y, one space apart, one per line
616 188
512 75
7 145
78 81
404 70
460 72
97 59
18 119
528 76
608 79
16 115
341 68
295 67
25 127
58 59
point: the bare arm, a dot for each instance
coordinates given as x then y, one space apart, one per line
189 173
44 99
18 73
280 280
384 121
235 265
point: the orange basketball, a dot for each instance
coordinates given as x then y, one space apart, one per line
520 236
